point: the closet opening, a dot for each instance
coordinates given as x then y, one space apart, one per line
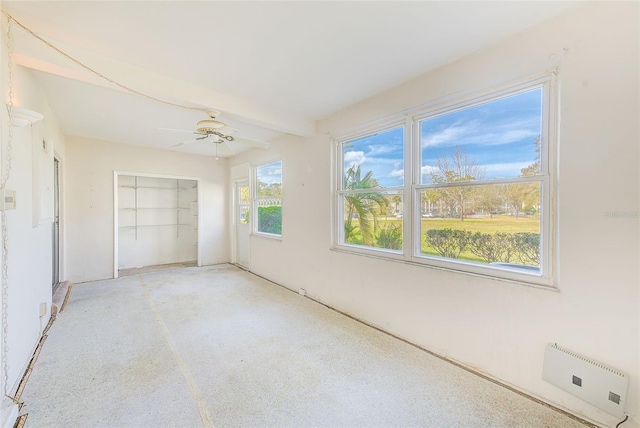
156 222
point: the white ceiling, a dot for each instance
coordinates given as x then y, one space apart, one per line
270 67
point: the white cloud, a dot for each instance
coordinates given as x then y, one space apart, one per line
506 137
507 169
447 136
486 134
428 170
381 149
354 157
397 173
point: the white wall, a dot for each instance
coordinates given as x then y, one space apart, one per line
29 247
90 167
499 328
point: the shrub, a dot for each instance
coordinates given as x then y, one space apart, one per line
447 242
528 247
498 247
270 220
503 247
390 237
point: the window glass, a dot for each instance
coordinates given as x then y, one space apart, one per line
268 200
493 140
371 196
373 219
380 155
243 205
488 224
479 196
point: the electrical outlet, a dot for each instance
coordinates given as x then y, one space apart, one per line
7 199
43 309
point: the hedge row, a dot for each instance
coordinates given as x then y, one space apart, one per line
270 220
522 248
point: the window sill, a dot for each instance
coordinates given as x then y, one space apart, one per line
531 284
277 238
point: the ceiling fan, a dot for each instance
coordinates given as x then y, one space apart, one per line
218 133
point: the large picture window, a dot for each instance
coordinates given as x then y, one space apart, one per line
479 200
268 199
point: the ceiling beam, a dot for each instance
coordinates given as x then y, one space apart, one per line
32 53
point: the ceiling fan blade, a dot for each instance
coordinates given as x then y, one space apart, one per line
227 130
184 143
176 130
252 143
228 148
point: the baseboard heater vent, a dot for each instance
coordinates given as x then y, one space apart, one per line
595 383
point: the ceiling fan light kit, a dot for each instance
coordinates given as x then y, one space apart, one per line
209 125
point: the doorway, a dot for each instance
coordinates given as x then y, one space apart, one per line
55 280
243 223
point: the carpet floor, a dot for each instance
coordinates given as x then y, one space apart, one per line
218 346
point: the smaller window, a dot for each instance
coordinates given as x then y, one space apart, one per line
268 199
370 195
243 204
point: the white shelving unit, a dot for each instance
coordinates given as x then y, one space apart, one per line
179 186
146 207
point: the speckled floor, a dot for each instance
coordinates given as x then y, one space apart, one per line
217 346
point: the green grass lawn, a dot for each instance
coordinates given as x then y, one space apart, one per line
499 223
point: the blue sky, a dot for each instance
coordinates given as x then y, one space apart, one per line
270 173
498 135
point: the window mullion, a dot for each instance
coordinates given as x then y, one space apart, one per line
411 161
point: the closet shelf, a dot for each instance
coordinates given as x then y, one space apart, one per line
179 191
151 187
153 225
156 208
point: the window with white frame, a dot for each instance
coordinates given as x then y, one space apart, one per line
371 191
479 200
267 199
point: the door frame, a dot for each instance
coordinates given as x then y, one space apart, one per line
116 175
61 235
234 223
55 228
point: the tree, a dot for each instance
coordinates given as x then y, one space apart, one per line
457 168
489 198
396 199
522 195
365 205
429 199
534 168
269 189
